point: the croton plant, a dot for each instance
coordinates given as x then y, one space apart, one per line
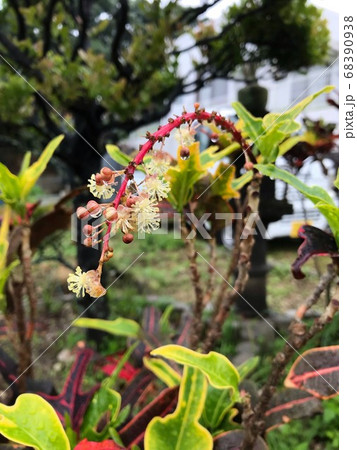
176 392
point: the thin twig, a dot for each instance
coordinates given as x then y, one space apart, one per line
299 336
196 282
211 272
245 251
26 256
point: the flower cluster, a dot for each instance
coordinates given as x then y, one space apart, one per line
133 210
86 282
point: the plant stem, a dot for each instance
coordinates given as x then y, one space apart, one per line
196 282
211 272
245 250
159 136
26 256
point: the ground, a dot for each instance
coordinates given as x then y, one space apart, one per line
159 276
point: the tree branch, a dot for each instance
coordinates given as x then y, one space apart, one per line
21 24
47 22
224 31
84 13
121 19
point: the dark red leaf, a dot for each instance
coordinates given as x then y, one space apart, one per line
133 432
71 400
136 387
184 333
316 243
232 440
290 404
151 326
316 371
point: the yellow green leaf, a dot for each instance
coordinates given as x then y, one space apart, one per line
181 429
33 422
286 119
222 182
240 182
210 156
29 176
183 177
118 327
163 371
319 197
218 369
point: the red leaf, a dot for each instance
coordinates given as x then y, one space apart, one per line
127 373
104 445
316 371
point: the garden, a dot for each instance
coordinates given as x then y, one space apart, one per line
150 297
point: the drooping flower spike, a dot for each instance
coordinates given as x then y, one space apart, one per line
135 208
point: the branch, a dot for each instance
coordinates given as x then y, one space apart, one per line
21 25
18 56
84 13
224 31
26 256
47 22
223 306
190 15
196 282
211 272
299 336
121 18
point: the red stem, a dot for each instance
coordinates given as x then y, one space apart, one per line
165 131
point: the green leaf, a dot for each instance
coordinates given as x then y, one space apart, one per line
218 403
248 367
319 197
163 371
219 370
181 430
25 163
337 181
288 144
183 177
118 327
10 190
210 156
331 212
4 275
29 177
268 143
33 422
222 182
286 119
105 404
240 182
118 156
253 126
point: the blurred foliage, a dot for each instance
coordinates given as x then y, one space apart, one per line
258 40
109 67
320 431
